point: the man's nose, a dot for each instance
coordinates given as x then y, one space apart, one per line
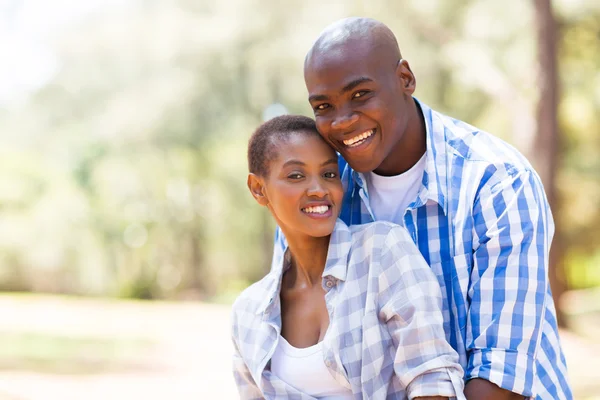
344 120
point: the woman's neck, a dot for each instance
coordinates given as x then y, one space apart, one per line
309 255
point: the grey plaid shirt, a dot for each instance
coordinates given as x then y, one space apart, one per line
385 337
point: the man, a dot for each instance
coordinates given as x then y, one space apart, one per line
474 206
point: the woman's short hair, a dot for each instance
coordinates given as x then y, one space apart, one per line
263 142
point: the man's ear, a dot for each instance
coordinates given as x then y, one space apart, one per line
407 78
257 188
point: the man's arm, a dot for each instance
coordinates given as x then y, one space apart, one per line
509 284
479 389
410 304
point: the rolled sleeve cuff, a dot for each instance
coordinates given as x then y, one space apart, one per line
436 383
508 369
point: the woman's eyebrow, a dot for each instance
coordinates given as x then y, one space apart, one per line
293 162
330 161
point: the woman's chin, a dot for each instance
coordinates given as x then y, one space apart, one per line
321 231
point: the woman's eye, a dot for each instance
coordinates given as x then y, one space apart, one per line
330 175
295 176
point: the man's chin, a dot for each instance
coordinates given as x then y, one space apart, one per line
362 166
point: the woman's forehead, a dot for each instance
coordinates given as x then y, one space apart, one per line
308 145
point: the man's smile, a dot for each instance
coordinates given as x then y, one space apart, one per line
358 139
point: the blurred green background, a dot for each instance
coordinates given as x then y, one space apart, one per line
123 128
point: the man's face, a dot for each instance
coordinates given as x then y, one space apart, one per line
359 104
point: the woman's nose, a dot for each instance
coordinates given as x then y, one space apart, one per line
316 188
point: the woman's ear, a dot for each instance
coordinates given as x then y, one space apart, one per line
257 188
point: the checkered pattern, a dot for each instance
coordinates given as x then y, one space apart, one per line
483 224
385 337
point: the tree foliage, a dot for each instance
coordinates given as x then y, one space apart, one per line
124 174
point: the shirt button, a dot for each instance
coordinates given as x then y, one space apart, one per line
329 284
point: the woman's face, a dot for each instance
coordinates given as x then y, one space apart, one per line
303 186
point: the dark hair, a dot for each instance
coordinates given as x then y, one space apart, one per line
262 143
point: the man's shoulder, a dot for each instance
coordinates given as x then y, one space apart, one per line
485 161
467 143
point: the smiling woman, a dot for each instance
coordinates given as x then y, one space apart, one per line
337 316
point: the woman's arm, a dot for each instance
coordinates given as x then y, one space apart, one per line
247 387
411 307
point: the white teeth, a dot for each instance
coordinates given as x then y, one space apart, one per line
316 210
356 140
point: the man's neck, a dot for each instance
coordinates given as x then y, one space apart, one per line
411 146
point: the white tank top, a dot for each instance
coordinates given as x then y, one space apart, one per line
305 370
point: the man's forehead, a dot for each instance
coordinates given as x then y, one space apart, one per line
337 71
338 51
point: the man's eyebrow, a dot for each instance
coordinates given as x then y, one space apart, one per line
317 97
347 88
355 83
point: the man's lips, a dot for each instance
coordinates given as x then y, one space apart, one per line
357 140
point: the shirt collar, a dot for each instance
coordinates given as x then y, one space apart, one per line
339 249
434 185
336 264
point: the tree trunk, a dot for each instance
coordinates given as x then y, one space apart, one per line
546 142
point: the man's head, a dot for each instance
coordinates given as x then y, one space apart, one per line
361 92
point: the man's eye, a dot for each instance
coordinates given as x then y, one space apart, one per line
360 93
321 107
330 175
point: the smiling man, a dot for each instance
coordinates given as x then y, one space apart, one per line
474 206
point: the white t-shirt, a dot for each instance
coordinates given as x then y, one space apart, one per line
304 369
389 196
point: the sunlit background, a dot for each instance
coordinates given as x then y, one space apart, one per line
126 229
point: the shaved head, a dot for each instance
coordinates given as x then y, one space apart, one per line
360 89
361 34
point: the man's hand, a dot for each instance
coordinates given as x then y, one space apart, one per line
480 389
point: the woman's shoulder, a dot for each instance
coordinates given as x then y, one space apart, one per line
254 296
380 233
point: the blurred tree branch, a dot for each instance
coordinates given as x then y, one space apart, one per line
546 143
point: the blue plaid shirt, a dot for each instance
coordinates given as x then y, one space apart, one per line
483 224
385 337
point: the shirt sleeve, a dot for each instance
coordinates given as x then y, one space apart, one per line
513 229
247 387
411 299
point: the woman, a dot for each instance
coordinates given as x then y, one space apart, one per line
352 312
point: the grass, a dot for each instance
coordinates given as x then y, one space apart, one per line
42 352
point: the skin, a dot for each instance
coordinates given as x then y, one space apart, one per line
357 81
305 173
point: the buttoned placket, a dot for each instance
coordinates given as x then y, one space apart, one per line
328 284
333 364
